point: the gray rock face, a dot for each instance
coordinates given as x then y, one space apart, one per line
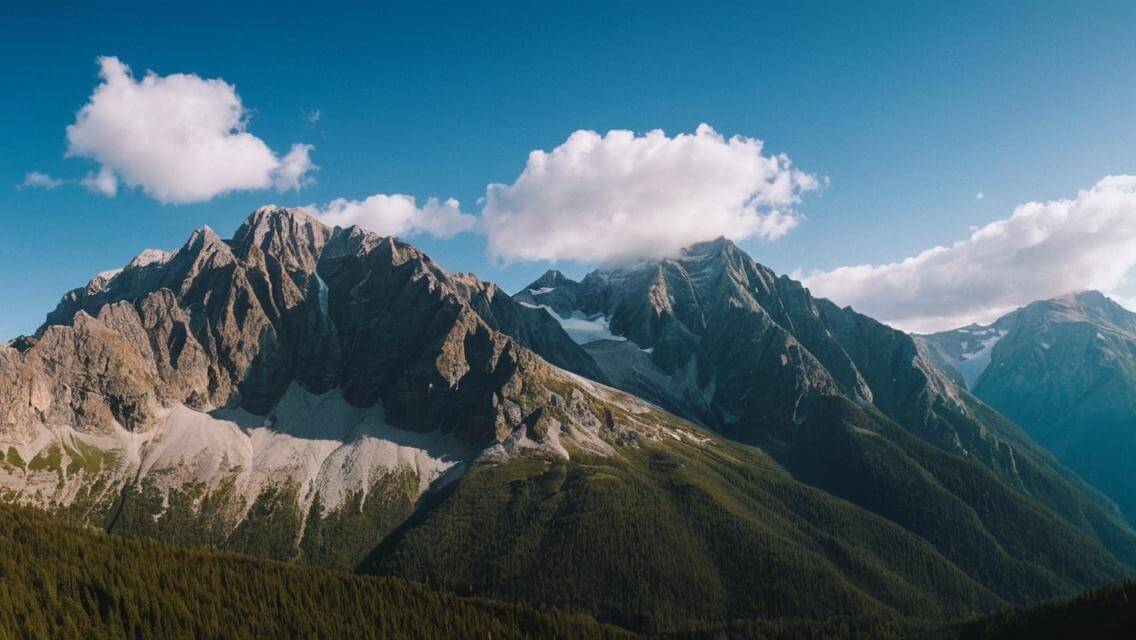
738 348
531 328
1065 370
233 323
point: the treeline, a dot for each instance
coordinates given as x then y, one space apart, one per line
1104 613
59 580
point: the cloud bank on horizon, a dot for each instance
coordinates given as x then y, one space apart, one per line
1042 250
179 138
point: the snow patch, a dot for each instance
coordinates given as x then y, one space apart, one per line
149 257
580 327
584 329
102 280
972 364
541 291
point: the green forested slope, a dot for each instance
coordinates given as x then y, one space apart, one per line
671 533
59 580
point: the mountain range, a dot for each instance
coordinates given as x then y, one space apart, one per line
663 445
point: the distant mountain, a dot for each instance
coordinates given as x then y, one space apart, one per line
332 396
1065 370
845 403
964 353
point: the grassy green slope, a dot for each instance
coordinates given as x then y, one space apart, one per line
1017 547
60 580
669 533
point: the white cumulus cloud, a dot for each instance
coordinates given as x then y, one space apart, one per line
621 196
398 215
180 138
37 180
1043 249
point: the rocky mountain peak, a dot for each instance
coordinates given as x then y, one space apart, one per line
722 339
1062 370
1085 307
717 246
551 278
202 237
290 236
149 257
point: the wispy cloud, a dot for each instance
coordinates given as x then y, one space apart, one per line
37 180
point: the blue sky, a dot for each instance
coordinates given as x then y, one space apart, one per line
908 109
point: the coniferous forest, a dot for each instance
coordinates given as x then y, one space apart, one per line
60 580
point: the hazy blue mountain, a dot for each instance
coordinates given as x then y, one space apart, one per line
1065 370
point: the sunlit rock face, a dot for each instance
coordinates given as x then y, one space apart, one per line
294 364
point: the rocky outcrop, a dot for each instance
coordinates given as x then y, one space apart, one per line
233 323
738 348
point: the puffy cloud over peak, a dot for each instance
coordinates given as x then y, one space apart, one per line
1044 249
621 196
180 138
295 169
398 215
